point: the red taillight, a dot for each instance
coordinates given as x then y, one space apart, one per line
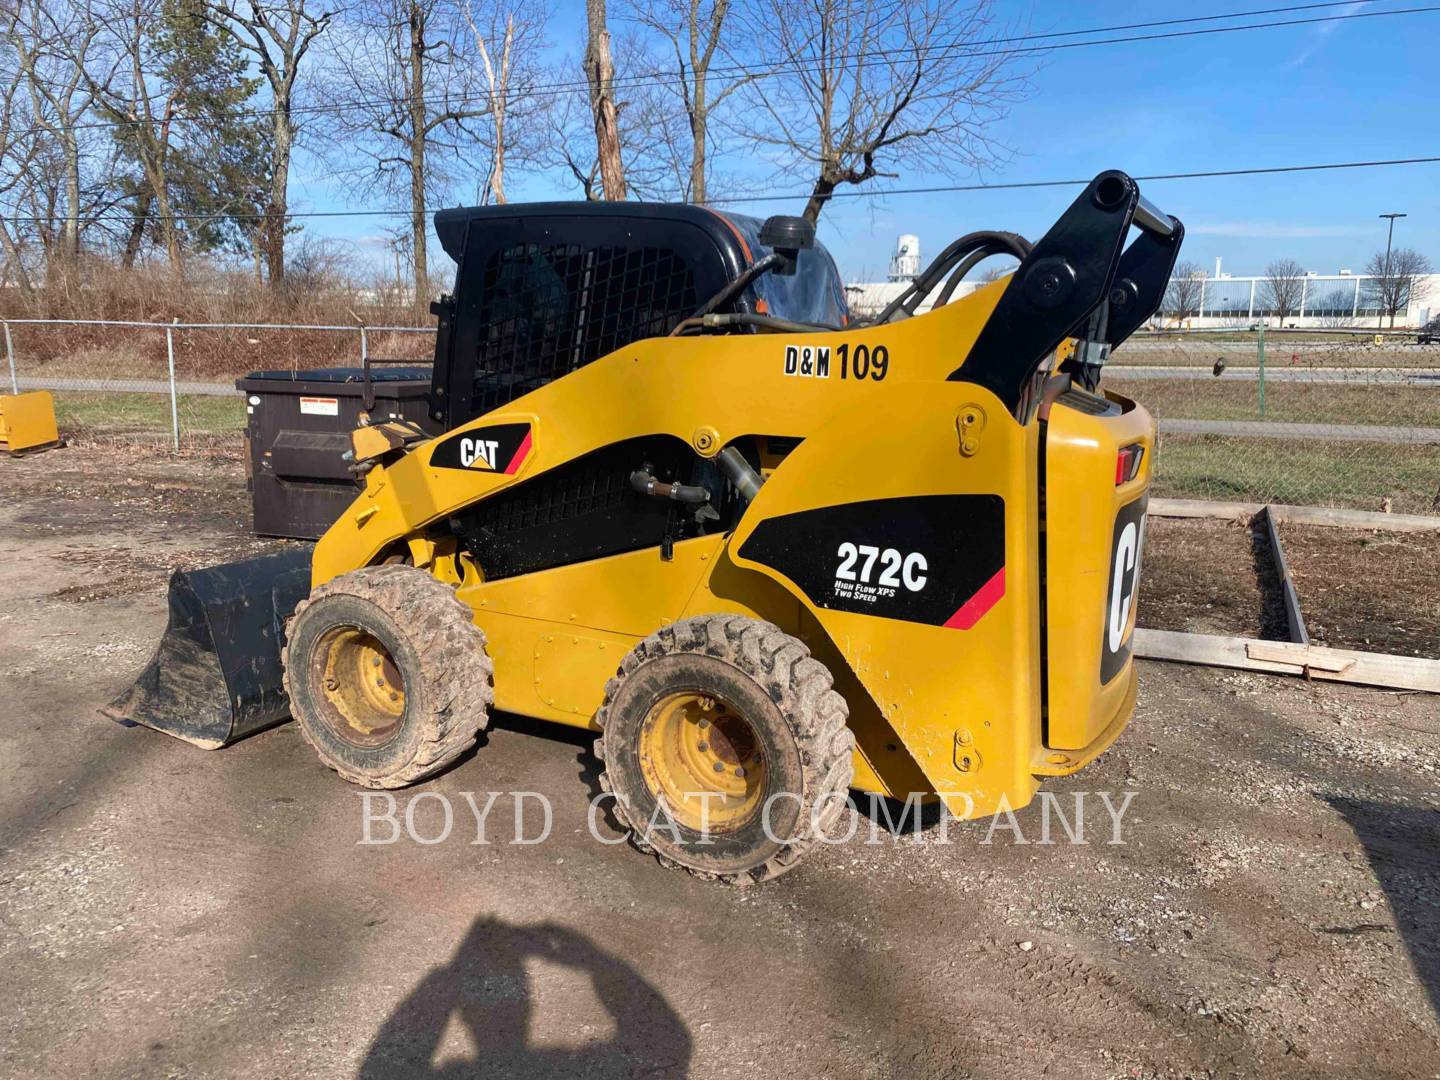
1127 463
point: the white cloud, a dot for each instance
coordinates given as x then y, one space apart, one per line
1320 33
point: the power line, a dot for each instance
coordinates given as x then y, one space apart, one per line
1016 185
876 56
1275 170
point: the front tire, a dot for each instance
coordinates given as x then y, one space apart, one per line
387 675
736 729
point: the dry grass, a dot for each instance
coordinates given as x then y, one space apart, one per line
1208 398
1313 351
323 288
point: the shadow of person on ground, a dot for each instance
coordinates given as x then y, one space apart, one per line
1403 846
486 988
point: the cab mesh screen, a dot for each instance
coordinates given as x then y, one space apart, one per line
547 309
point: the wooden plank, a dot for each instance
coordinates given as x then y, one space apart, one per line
1294 515
1202 508
1289 658
1210 649
1290 599
1355 519
1265 650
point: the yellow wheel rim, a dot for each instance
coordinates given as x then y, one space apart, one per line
361 691
703 758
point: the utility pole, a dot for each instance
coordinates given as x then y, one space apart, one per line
1385 285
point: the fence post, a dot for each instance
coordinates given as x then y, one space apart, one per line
10 357
170 360
367 400
1260 356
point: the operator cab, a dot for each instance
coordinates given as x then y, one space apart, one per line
542 289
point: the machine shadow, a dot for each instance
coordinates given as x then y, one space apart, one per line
485 987
1403 846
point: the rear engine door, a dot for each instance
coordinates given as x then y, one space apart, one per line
1098 453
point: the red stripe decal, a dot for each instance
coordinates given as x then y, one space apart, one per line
986 597
519 456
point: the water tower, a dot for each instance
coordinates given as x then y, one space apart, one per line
905 263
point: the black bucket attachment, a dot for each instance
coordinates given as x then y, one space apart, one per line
216 676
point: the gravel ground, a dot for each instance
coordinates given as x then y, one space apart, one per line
170 912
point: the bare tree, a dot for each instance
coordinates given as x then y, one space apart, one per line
17 148
652 131
52 42
124 85
1283 287
861 88
693 31
1336 308
408 82
278 34
1395 283
1185 291
570 142
507 38
605 111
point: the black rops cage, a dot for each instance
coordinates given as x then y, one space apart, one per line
543 289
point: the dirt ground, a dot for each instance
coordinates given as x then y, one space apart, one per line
1358 589
170 912
1207 577
1367 590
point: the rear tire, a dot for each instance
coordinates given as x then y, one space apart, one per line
721 716
387 675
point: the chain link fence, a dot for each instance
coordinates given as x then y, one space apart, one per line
1344 417
172 385
1317 417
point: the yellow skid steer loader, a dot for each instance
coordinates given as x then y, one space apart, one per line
766 552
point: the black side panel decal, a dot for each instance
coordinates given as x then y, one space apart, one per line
935 559
498 448
1126 547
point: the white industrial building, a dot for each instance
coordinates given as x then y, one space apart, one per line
1326 300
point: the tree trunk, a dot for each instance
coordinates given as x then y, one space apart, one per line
600 71
70 242
819 196
16 262
698 123
417 154
164 211
497 171
137 231
272 228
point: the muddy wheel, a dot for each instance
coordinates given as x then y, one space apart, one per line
719 718
387 675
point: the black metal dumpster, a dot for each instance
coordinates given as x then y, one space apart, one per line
298 426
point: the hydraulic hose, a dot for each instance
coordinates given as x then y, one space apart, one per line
998 242
740 473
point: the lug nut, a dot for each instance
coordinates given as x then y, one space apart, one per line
704 723
740 772
331 684
394 696
719 766
375 661
703 747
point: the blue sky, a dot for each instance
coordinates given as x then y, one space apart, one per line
1363 89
